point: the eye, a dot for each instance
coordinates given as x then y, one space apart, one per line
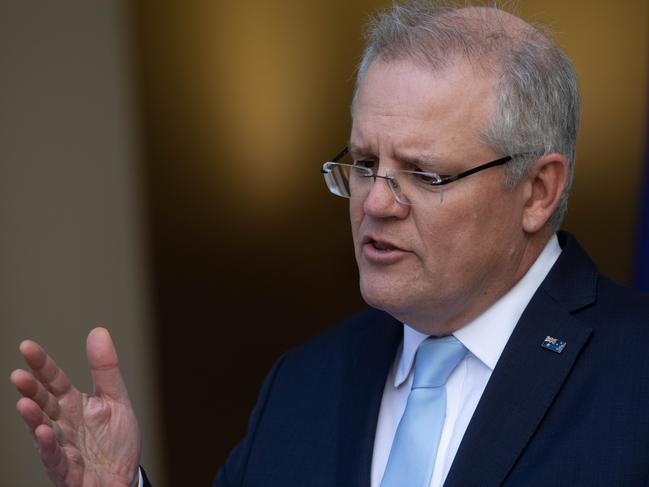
365 164
426 178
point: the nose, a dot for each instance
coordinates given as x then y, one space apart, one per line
381 202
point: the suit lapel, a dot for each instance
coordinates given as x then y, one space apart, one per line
370 358
527 376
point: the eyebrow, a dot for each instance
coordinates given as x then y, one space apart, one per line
422 159
357 150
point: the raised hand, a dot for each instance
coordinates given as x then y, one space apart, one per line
84 440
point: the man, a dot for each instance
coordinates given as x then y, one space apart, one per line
499 356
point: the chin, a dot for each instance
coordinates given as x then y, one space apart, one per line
385 299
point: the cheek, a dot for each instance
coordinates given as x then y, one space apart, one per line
455 232
355 217
442 227
437 244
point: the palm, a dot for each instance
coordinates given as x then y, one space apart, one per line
100 434
84 440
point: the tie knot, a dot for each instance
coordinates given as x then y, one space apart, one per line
435 360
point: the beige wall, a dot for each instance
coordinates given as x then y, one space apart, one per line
71 250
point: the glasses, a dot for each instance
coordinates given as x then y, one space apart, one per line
408 187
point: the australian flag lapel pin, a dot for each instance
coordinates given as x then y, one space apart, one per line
553 344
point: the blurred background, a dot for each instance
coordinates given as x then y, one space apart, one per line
159 175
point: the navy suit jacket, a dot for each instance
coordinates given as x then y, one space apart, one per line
575 418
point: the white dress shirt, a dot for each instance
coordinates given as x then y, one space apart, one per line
485 337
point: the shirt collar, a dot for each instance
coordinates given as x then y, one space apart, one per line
486 336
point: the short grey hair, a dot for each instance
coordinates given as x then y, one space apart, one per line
538 103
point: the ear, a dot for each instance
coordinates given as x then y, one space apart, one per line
545 182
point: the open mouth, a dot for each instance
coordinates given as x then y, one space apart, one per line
382 246
379 243
379 249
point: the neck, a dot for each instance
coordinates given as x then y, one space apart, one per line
446 318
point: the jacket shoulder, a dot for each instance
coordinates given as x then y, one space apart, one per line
622 305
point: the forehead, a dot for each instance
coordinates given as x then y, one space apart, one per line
403 104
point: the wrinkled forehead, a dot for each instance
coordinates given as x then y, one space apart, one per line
458 76
404 88
404 107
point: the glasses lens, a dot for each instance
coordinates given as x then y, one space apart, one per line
347 180
415 187
337 178
354 181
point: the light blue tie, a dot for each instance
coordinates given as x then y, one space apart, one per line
412 457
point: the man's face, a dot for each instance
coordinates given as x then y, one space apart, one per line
439 265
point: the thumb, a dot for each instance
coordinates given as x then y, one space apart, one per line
104 368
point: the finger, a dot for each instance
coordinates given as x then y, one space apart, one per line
104 365
45 369
52 456
32 414
29 387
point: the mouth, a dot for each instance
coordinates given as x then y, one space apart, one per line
381 251
379 244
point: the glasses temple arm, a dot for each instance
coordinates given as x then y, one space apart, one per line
497 162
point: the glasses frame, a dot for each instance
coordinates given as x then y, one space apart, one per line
441 180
